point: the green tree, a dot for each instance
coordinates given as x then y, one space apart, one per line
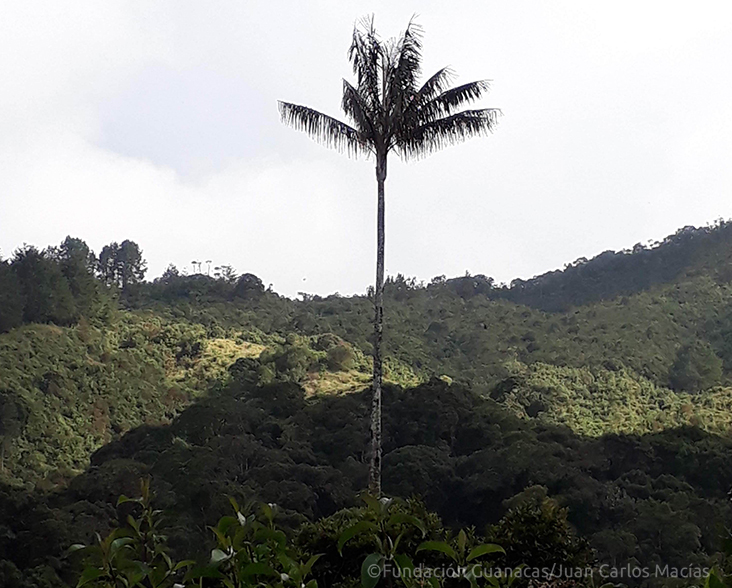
78 263
11 298
248 286
46 291
696 368
535 531
390 111
121 264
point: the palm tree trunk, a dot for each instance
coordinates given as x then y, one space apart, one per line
375 429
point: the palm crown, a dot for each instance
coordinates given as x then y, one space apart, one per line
387 107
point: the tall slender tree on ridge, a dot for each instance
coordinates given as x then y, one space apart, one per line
390 111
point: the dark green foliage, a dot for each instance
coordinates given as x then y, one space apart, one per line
612 274
290 362
464 453
599 368
78 265
12 301
56 285
121 265
439 329
248 286
340 358
377 544
696 368
46 292
535 529
172 286
84 385
13 417
338 565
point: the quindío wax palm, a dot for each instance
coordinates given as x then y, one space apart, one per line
391 110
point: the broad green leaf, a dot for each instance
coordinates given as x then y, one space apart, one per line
222 539
239 537
280 538
351 532
462 540
88 575
309 564
713 580
132 522
398 540
401 518
225 523
406 567
118 544
124 499
371 570
286 561
485 549
440 546
371 502
217 556
379 544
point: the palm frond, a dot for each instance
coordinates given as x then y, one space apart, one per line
358 110
449 101
413 113
436 84
325 129
401 71
366 55
404 66
443 132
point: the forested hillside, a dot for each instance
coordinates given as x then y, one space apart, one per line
606 387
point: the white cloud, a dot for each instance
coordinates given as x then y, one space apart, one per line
157 122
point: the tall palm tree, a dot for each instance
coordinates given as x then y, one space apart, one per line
390 111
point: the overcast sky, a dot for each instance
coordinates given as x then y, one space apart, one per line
157 122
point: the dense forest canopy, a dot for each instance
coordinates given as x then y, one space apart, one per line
594 401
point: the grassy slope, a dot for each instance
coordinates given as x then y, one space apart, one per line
597 368
597 402
65 392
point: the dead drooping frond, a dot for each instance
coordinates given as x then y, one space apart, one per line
387 107
327 130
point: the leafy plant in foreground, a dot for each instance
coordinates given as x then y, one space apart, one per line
465 558
250 551
136 555
383 528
